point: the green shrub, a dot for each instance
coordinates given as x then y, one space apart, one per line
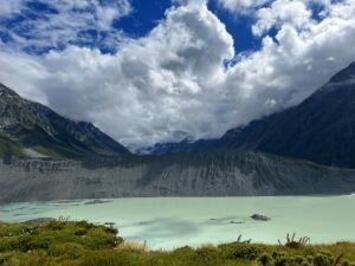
86 225
345 263
281 261
81 232
322 259
277 254
266 260
246 252
99 239
104 258
298 260
40 242
68 250
208 253
55 225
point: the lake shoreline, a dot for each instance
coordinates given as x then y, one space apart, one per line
175 222
177 197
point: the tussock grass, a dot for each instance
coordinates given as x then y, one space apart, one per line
69 243
135 246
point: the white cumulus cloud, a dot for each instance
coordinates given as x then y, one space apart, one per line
175 81
242 6
57 23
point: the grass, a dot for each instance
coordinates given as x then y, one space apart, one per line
69 243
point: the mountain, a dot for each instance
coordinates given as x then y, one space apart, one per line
30 129
168 148
321 129
254 160
201 145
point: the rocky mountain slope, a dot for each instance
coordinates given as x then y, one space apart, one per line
321 129
31 129
204 174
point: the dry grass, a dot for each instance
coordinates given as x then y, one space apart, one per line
131 245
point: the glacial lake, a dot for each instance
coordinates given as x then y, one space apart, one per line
173 222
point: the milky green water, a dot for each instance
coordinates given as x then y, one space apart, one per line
172 222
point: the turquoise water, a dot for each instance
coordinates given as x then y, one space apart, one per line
172 222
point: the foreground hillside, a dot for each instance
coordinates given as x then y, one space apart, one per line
84 244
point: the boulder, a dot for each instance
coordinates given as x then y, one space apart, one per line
260 217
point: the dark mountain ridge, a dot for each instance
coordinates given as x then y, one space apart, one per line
321 129
26 126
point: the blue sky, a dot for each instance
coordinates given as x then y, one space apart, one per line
144 17
161 71
139 21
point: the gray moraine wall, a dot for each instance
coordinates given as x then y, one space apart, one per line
214 174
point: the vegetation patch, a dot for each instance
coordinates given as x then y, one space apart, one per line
63 242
